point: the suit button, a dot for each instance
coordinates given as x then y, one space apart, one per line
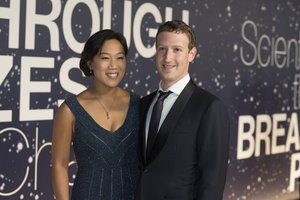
146 171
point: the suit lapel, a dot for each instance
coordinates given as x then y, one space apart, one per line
144 107
171 120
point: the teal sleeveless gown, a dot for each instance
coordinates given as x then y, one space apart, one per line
108 166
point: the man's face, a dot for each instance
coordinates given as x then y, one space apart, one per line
173 57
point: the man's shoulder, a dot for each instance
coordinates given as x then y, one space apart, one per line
148 97
205 97
203 93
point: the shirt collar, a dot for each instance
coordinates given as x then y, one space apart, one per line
178 86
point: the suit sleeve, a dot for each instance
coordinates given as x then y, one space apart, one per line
213 148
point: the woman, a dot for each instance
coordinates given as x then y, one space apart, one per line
102 123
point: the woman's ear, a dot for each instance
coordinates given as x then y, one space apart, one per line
89 65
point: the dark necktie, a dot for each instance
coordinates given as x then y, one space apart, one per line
155 119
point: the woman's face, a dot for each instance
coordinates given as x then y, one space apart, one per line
109 65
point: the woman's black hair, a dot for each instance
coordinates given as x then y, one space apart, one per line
94 45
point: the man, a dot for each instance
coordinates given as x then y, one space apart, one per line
186 156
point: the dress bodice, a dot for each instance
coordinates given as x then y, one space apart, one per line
107 162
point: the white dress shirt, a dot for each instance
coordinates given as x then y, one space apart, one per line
176 89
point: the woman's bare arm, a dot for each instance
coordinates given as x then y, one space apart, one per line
61 147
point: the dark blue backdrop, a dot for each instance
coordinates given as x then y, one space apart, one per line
248 55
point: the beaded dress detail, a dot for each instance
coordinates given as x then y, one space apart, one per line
108 167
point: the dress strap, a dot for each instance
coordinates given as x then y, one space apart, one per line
74 106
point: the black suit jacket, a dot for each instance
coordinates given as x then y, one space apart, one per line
190 154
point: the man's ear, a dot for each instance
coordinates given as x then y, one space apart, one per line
192 54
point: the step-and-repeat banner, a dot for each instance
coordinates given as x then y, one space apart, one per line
248 55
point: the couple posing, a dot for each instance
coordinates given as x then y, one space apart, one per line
171 144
